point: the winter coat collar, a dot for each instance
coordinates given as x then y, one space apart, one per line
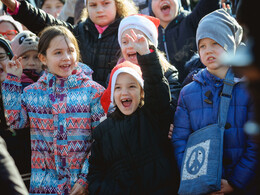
206 78
112 28
177 20
80 73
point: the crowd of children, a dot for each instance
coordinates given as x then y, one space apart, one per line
88 108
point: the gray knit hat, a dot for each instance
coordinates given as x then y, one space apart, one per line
222 28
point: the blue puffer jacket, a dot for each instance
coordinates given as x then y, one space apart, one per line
193 113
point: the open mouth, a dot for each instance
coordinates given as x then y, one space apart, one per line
131 55
165 7
211 59
126 102
65 67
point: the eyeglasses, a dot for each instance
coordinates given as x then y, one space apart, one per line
9 33
3 56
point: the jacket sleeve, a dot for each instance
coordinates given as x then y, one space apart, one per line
97 169
203 8
36 19
96 113
156 87
244 172
175 87
182 129
14 103
10 179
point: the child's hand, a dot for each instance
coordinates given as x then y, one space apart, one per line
139 42
78 190
15 67
170 132
225 188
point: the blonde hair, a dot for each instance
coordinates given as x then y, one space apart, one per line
123 8
164 62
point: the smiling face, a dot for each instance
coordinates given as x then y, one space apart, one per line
165 10
127 93
61 56
127 50
210 52
102 12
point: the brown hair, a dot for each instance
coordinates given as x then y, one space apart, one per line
123 8
50 32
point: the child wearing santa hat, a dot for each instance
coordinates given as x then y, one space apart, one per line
131 153
147 26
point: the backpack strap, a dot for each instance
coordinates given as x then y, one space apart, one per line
225 99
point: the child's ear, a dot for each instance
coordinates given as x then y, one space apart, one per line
142 93
42 58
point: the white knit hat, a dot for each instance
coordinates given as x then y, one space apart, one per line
7 18
125 67
147 24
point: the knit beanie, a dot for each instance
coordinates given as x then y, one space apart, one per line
125 67
23 42
7 18
147 24
6 46
222 28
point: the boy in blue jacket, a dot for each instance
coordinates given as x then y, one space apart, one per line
198 104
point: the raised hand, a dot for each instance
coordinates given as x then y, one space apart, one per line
14 67
11 4
139 42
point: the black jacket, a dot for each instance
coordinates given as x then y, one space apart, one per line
11 182
178 39
99 52
175 87
132 154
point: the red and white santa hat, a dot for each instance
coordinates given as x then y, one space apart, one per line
147 24
125 67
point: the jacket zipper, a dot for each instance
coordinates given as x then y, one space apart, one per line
165 45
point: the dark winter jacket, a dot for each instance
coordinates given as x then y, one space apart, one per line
193 113
132 155
29 76
98 51
175 87
11 182
177 40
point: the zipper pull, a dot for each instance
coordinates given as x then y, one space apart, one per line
99 36
163 31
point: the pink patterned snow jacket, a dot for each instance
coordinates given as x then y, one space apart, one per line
62 114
